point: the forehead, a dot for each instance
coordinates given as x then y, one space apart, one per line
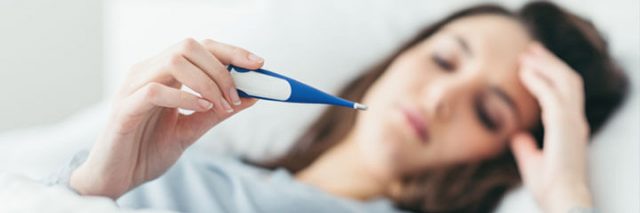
496 43
492 35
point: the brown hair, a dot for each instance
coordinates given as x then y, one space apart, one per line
477 187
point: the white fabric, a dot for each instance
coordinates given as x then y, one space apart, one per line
323 43
22 194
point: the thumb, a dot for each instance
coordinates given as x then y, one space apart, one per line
528 156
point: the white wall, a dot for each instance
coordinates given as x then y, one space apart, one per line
48 49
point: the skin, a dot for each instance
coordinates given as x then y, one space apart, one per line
475 87
440 79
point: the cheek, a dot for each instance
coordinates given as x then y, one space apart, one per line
381 134
468 143
462 139
401 80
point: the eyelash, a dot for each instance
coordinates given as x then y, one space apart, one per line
442 63
483 116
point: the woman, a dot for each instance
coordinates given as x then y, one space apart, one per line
444 110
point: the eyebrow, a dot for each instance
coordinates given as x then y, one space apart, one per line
463 43
507 99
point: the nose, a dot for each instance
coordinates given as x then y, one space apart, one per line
440 98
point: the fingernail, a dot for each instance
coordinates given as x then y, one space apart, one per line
254 58
226 105
234 96
205 104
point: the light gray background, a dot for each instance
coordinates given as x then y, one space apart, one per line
48 50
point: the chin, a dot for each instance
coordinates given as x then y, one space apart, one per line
382 137
383 146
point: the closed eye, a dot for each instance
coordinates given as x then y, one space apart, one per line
443 63
483 114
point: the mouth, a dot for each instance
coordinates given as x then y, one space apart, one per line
417 123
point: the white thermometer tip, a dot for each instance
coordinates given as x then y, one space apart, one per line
360 106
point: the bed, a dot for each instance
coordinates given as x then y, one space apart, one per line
324 43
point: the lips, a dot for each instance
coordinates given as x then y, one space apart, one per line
417 123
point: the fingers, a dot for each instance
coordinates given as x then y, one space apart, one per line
211 58
192 76
548 63
228 54
202 67
196 124
561 82
155 94
559 92
212 67
192 64
559 75
540 87
527 154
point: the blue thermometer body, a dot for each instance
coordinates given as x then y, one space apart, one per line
267 85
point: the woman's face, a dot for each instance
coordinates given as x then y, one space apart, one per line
453 98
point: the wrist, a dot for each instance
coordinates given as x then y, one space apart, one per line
91 183
567 196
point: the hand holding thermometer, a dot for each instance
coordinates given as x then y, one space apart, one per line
267 85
